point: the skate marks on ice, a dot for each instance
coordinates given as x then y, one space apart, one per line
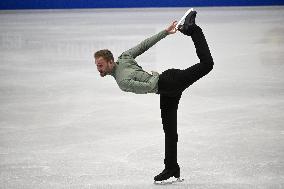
169 181
63 127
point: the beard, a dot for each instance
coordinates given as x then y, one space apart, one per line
106 71
102 74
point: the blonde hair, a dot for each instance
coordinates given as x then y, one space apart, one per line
105 53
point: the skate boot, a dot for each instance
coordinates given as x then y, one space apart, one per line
188 24
165 177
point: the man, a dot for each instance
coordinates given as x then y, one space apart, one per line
130 77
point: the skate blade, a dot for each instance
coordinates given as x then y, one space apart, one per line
183 17
169 181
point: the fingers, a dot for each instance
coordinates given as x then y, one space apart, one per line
172 28
174 23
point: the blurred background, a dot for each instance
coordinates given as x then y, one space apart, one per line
63 126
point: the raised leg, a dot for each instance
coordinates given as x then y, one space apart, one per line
175 81
190 75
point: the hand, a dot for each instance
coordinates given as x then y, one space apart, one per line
172 28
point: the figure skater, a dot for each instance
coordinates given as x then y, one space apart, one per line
170 84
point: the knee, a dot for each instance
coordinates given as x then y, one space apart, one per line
210 61
209 65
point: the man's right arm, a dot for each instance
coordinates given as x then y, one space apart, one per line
146 44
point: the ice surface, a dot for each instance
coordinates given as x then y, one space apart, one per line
62 126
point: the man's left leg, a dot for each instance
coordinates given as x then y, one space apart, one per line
169 106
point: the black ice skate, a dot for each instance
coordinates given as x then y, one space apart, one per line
188 23
168 176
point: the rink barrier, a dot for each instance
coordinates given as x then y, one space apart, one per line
74 4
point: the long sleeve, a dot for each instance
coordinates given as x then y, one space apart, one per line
146 44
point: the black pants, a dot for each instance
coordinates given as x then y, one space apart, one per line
172 83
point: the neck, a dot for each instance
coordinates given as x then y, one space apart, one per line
113 68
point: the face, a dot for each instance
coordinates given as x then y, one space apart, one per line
103 66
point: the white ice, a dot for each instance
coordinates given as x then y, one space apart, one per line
63 126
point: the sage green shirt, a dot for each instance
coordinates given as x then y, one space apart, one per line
129 76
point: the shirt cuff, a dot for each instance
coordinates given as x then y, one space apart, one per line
165 32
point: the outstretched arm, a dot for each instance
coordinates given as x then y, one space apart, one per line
149 42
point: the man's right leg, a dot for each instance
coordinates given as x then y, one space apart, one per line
190 75
174 80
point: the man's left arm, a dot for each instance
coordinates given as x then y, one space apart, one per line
138 87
